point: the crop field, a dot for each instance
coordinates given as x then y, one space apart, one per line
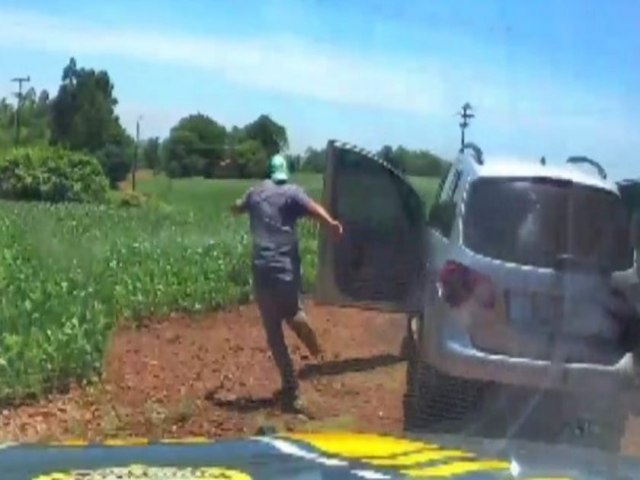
69 273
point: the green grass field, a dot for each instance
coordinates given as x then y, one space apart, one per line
68 273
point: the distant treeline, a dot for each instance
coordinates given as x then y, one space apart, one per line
81 118
421 163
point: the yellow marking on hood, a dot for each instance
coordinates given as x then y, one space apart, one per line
125 442
143 472
458 468
354 445
416 458
72 442
187 440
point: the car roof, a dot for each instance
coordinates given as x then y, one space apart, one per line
507 167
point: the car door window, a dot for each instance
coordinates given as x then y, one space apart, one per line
442 215
378 258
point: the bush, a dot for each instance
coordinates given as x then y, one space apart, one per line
131 199
116 163
51 174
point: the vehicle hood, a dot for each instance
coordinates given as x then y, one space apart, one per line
311 456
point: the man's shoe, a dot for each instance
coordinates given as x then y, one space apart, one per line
294 405
290 401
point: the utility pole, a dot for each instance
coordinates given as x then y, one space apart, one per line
134 167
466 115
19 81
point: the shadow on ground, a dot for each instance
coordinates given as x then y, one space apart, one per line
246 404
339 367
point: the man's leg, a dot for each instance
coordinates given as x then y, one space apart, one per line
299 324
273 310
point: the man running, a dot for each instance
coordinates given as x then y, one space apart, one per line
274 206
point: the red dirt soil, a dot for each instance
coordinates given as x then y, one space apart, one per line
212 375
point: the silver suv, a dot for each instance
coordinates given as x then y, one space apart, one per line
518 283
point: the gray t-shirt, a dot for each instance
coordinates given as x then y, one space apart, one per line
273 212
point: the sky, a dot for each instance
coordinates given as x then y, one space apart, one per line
546 77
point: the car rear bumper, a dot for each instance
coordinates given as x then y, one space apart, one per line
452 352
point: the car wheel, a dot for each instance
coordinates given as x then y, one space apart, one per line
433 400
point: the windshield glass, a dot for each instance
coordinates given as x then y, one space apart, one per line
539 221
221 218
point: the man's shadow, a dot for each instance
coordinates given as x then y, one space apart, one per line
349 365
247 404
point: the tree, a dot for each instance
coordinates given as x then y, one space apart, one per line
420 163
251 159
196 146
83 112
34 130
115 161
83 118
270 134
295 161
314 160
151 154
388 154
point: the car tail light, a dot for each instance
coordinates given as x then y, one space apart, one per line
459 284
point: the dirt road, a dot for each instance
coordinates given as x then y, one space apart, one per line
212 376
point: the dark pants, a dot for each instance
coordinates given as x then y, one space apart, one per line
279 301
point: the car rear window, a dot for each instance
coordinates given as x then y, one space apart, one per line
536 221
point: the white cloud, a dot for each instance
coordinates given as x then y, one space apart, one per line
429 84
521 109
278 64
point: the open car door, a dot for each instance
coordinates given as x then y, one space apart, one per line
380 260
630 193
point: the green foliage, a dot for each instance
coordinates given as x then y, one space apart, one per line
250 159
34 128
313 160
69 272
82 112
198 146
82 117
416 163
270 134
115 161
195 147
52 175
151 154
420 163
295 162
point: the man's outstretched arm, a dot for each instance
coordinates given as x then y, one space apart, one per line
318 211
240 205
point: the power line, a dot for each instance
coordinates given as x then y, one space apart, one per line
19 81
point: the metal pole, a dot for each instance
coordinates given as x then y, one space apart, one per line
466 115
135 158
19 81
